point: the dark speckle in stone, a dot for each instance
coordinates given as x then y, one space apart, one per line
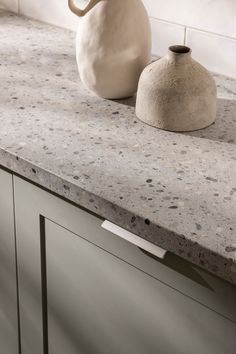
198 226
114 113
149 180
211 179
183 152
21 107
17 158
33 170
66 187
91 200
76 177
173 207
133 219
147 222
230 248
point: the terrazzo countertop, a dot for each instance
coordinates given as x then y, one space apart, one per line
175 190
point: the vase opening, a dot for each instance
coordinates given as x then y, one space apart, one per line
179 49
179 54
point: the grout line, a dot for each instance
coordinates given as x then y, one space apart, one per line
165 21
185 35
193 28
211 33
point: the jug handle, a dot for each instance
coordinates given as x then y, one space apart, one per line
76 10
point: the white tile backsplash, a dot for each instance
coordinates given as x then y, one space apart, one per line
209 25
217 53
164 35
10 5
217 16
55 12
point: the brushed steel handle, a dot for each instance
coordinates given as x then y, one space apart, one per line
134 239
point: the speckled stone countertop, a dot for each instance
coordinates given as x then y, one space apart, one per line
175 190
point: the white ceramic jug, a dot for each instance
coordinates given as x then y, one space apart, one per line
113 45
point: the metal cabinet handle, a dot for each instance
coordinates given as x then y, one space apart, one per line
134 239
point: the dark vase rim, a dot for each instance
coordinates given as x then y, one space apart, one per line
179 49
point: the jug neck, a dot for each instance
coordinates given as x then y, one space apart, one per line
179 54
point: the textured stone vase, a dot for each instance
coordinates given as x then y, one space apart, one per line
176 93
113 45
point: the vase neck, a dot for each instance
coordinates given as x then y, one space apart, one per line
179 54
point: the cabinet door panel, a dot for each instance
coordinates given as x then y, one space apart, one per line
98 303
8 293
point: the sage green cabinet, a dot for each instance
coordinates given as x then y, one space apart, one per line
97 303
84 290
8 290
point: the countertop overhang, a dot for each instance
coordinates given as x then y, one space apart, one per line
175 190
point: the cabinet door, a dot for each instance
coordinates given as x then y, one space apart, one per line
8 292
98 303
83 290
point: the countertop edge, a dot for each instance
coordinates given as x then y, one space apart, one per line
144 228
